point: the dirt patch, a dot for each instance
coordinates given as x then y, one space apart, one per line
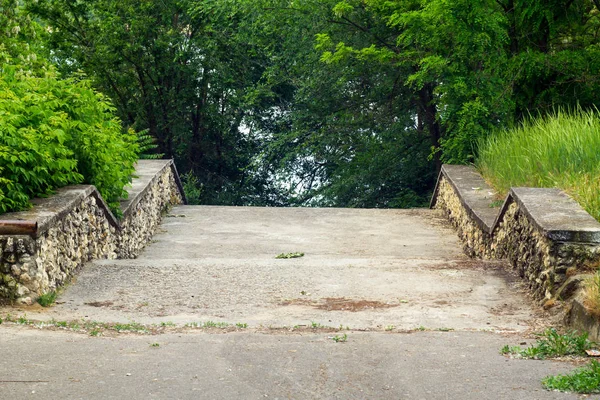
99 303
341 304
468 264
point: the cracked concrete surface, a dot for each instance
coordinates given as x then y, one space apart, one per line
218 264
378 272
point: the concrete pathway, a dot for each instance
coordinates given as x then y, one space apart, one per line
418 319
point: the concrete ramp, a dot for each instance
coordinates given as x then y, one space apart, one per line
362 269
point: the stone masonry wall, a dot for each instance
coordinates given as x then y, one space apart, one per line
32 266
549 266
141 222
476 242
528 251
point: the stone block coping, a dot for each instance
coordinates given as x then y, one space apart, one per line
46 211
553 212
556 214
476 196
146 172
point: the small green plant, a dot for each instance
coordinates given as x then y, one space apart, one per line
290 255
132 327
212 324
60 324
445 329
316 325
155 345
241 325
421 328
582 380
552 344
95 332
22 320
340 339
167 324
390 328
47 299
507 350
74 325
192 188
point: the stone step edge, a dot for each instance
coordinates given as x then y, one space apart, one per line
46 211
472 190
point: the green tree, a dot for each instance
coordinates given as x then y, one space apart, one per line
178 69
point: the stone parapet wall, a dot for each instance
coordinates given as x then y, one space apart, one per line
528 251
75 226
543 233
140 222
475 240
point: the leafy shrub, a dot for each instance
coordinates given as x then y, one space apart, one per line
56 132
34 157
53 132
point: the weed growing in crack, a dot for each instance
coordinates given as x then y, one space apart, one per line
47 299
130 327
95 332
340 339
207 324
552 344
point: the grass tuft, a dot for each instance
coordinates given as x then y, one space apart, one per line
591 294
47 299
582 380
561 151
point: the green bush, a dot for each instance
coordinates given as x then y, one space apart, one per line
55 132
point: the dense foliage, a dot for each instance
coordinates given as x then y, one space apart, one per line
53 131
343 103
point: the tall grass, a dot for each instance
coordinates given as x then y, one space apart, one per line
562 150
